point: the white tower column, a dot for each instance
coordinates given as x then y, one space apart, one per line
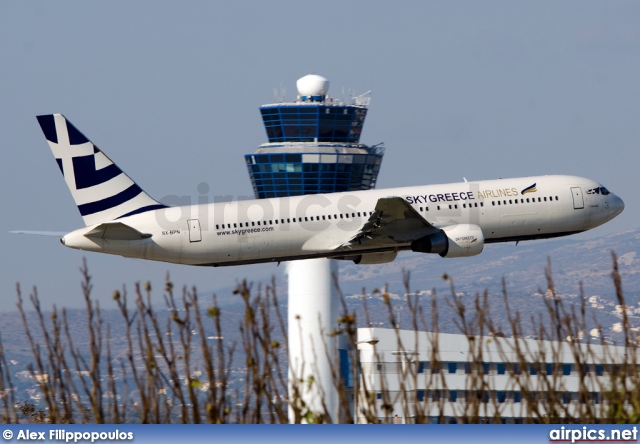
312 315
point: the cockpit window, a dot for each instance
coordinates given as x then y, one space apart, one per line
599 190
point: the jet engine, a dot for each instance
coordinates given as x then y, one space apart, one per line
454 241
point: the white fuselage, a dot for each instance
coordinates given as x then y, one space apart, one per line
279 229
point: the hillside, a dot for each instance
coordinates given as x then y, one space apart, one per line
573 262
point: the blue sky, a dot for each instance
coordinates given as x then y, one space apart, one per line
171 90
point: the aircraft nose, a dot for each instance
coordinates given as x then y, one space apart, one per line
617 205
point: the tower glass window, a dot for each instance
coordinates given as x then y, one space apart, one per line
313 146
291 175
313 122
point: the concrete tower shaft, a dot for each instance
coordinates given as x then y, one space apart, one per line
313 147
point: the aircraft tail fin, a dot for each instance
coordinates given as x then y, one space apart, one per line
100 189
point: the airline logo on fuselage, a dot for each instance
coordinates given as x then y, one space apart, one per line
445 197
502 192
469 195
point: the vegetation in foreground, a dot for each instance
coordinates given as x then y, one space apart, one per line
171 365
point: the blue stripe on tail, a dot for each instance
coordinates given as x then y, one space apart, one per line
75 136
144 210
48 125
87 175
110 202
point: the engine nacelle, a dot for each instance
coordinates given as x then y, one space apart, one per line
454 241
464 240
436 243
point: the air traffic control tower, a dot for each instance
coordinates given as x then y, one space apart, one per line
314 147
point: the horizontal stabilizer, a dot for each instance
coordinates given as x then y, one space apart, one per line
116 231
40 233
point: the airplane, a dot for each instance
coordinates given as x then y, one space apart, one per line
366 227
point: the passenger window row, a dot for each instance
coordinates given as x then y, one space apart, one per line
365 214
453 207
293 220
523 200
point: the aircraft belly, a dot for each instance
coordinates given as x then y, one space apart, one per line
518 224
165 250
319 242
136 249
249 246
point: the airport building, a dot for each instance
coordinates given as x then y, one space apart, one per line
314 145
445 378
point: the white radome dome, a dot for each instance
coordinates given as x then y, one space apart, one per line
313 85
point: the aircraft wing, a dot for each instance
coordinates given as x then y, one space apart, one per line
116 231
394 221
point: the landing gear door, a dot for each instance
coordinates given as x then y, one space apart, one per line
578 201
194 230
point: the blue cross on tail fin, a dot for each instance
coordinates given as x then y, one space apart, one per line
100 189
